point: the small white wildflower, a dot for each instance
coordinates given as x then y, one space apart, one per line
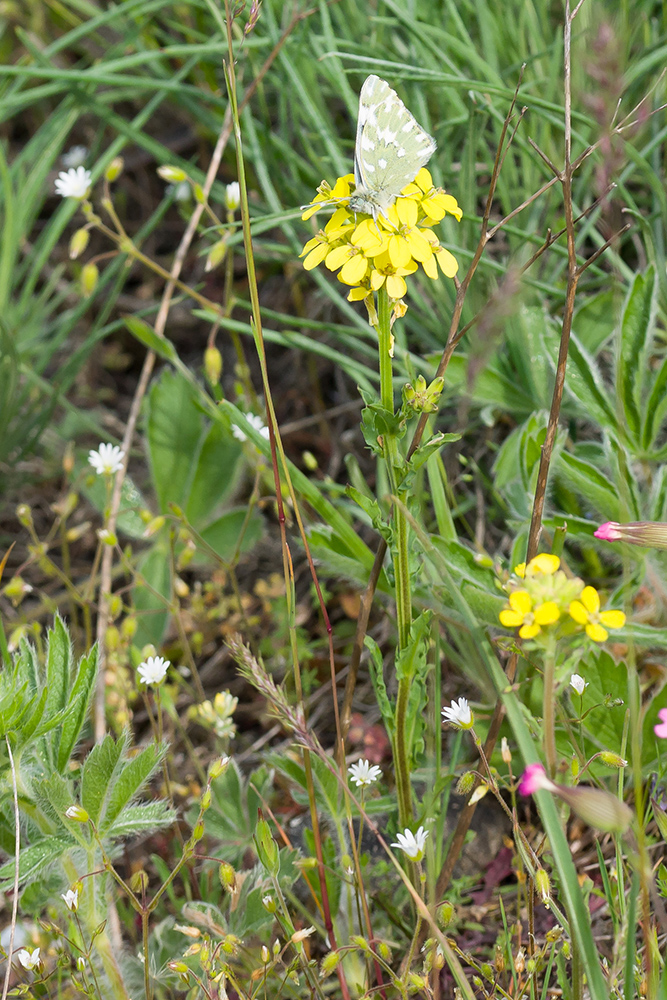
73 183
77 813
459 715
107 459
29 959
232 196
411 843
578 683
364 773
302 934
153 670
255 422
71 898
74 157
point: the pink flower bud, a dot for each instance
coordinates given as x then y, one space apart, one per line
652 534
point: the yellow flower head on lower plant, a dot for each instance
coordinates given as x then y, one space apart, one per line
403 237
531 618
586 612
545 562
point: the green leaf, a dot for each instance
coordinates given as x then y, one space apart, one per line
586 389
637 328
215 477
147 336
410 662
79 702
98 772
58 665
129 781
151 599
376 670
34 860
224 535
141 819
595 488
174 434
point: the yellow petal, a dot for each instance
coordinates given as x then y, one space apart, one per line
520 570
448 262
341 188
407 211
357 294
399 251
596 633
547 613
520 601
544 563
529 631
453 207
337 256
578 612
396 286
430 267
434 210
510 619
590 600
424 179
420 248
354 270
377 279
411 191
613 619
311 244
316 256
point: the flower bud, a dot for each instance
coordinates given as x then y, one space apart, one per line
216 255
16 590
267 849
329 964
269 904
24 515
218 767
115 169
465 783
479 793
445 913
597 807
265 955
542 884
78 243
77 813
384 951
652 534
232 196
227 876
612 759
172 174
213 365
198 192
139 881
88 279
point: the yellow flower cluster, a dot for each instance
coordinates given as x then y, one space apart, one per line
369 253
547 594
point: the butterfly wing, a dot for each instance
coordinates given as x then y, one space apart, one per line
391 145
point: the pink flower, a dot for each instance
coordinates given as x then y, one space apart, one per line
533 779
608 531
661 729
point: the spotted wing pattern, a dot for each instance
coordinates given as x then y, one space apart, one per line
390 149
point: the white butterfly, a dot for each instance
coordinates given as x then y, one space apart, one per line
390 150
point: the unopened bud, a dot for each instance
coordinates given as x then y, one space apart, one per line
597 807
88 279
24 515
269 904
499 961
505 751
445 913
384 951
139 881
77 813
542 884
213 365
216 255
218 767
329 964
78 243
479 793
465 783
612 759
154 525
227 876
198 192
520 961
302 934
265 954
232 196
16 590
115 169
309 461
172 174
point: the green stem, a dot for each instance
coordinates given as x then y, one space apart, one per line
549 709
401 564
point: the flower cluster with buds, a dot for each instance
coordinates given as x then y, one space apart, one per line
369 253
542 596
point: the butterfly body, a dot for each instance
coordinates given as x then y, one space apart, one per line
390 149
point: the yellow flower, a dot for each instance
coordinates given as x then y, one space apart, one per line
586 611
406 241
385 272
544 563
352 262
433 201
315 250
326 194
521 612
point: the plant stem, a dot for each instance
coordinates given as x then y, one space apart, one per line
401 564
549 709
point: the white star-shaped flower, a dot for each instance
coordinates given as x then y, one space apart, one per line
73 183
153 670
411 843
578 683
107 459
71 898
459 714
29 959
255 422
364 773
74 157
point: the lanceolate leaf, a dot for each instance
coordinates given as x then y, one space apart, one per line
34 860
130 780
636 341
78 705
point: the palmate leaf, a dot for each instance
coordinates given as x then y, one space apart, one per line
98 773
128 782
140 819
